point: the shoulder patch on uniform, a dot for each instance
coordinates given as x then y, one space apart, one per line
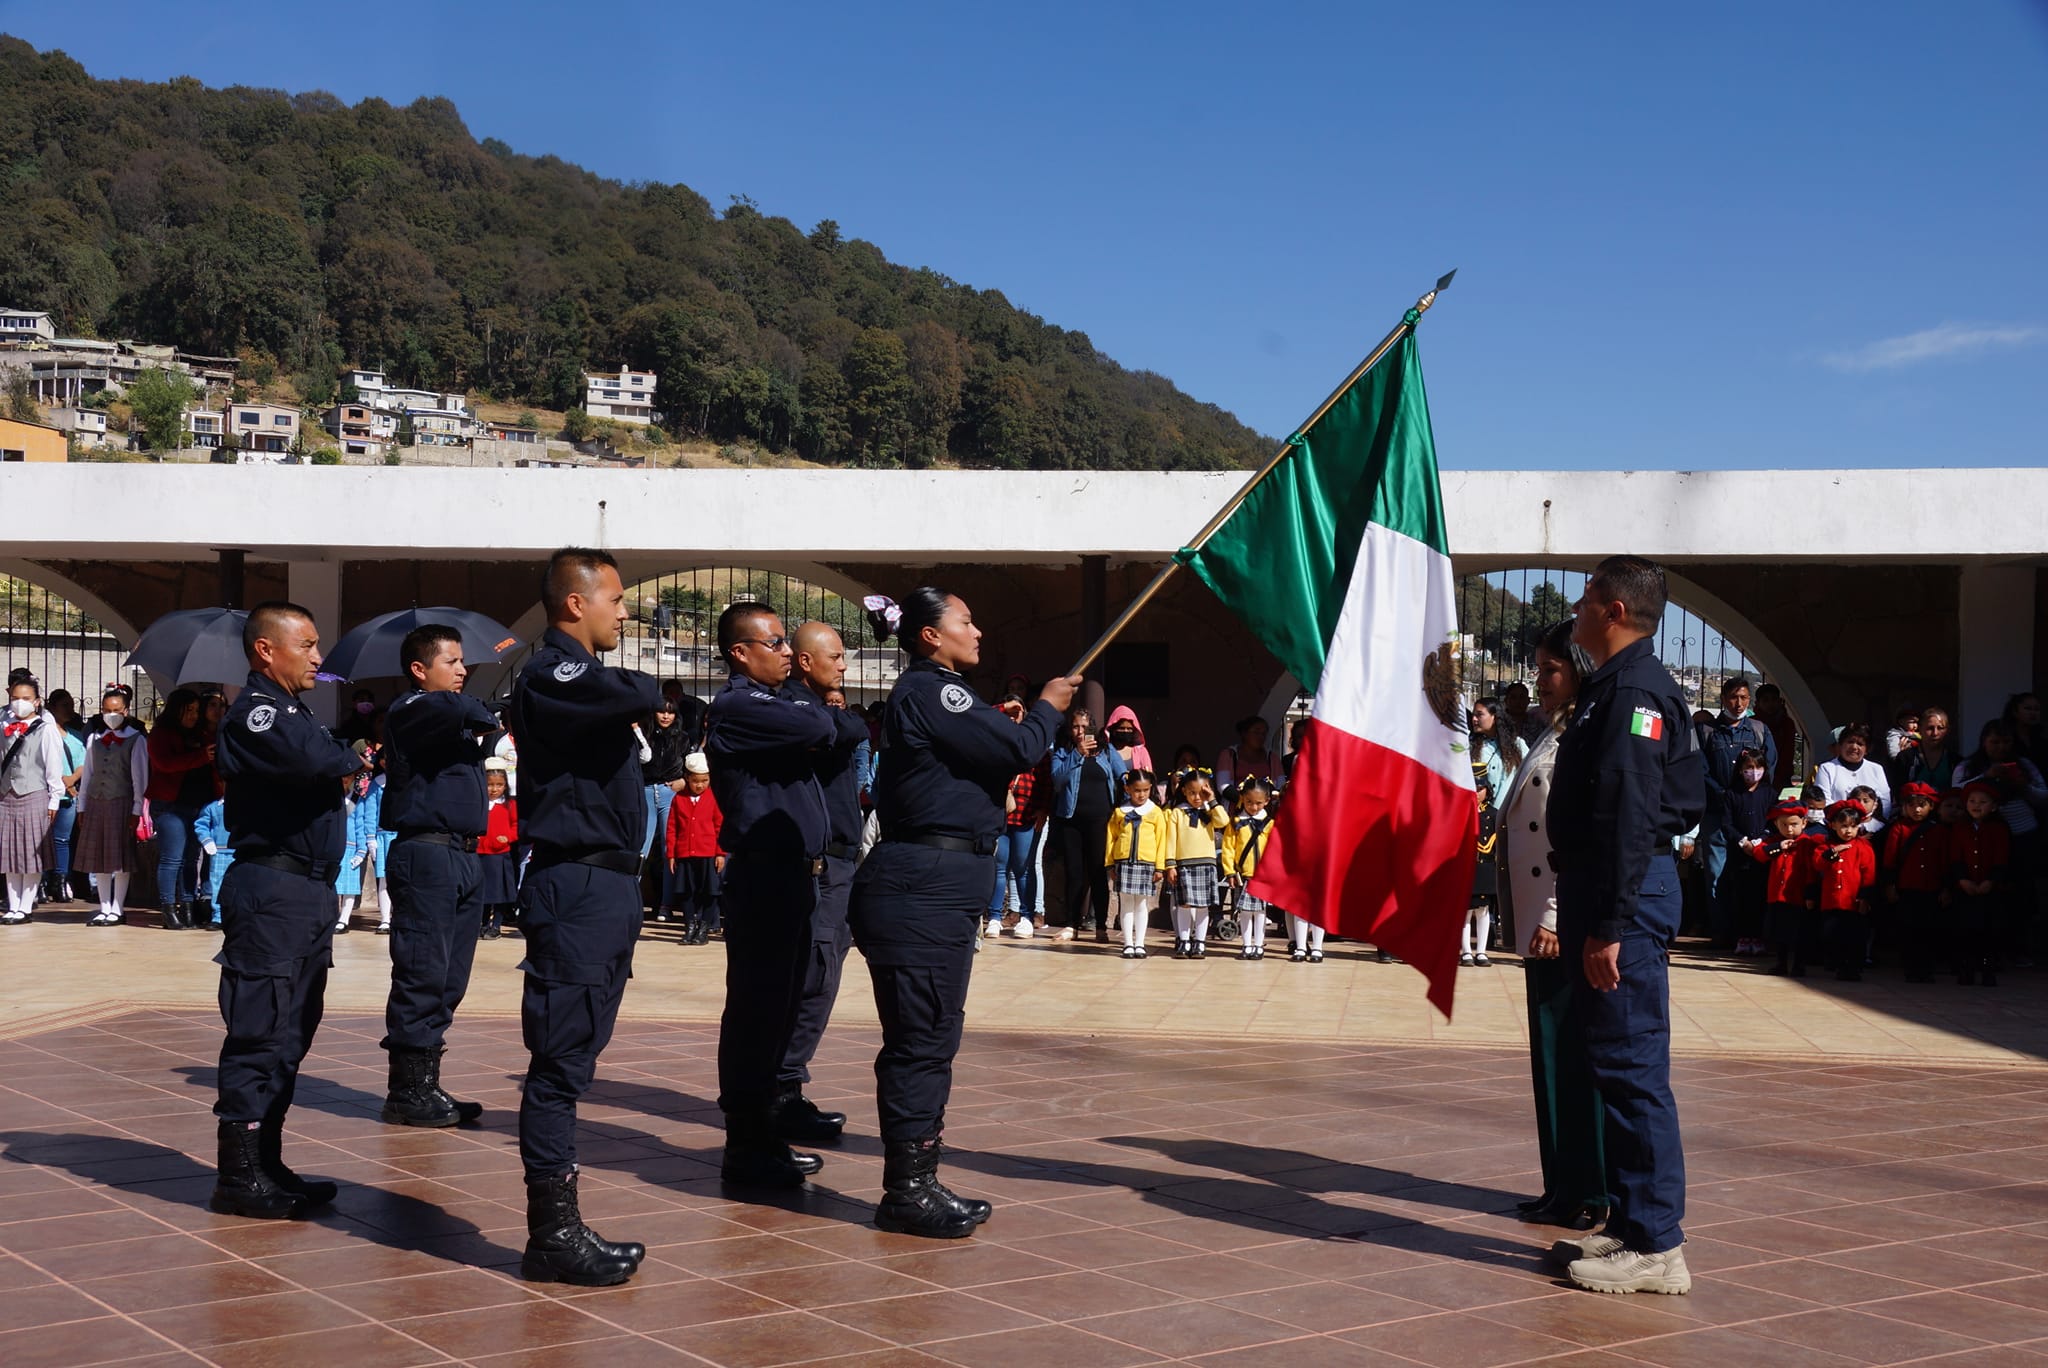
569 669
1647 723
260 718
955 698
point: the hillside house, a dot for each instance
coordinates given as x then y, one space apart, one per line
624 397
26 328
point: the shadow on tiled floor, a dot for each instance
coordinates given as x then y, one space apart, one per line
1158 1200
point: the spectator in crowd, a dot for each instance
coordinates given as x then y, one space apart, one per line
31 792
1932 757
1903 734
1496 750
1852 766
1745 820
1297 732
112 809
1249 758
1087 780
2023 710
181 783
2014 782
1722 739
57 876
662 772
1024 811
1528 724
1777 719
356 726
1127 739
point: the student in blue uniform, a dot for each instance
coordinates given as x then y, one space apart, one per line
583 809
1628 781
919 895
765 741
285 778
820 669
434 810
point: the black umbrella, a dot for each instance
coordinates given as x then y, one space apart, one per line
194 645
371 650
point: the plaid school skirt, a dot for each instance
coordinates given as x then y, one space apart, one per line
1195 885
1135 878
1248 906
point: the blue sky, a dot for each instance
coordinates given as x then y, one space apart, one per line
1748 235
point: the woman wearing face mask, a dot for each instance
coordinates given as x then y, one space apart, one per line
111 804
31 790
181 783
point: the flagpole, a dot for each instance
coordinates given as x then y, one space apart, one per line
1201 539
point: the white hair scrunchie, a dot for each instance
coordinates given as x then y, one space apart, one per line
887 607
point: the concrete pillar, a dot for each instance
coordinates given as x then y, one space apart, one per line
316 587
1995 627
1094 618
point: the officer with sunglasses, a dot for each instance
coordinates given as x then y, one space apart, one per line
766 743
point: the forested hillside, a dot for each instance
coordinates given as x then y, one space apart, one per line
315 235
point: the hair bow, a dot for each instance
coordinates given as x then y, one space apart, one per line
886 606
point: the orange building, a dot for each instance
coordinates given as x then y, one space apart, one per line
21 441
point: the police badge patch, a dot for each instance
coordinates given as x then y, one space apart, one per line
569 669
261 717
955 698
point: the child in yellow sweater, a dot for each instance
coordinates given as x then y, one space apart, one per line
1193 852
1244 843
1138 838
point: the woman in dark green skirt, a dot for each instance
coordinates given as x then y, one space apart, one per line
1567 1104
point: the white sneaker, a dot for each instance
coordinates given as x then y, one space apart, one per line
995 928
1626 1270
1583 1247
1023 930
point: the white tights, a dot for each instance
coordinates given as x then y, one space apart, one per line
1252 926
21 892
1133 911
1190 923
1477 932
1303 934
349 901
113 891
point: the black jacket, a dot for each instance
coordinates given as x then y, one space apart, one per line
952 757
572 718
283 772
763 747
434 763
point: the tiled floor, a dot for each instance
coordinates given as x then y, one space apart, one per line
1159 1198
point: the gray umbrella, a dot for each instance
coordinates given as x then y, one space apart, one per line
371 650
194 645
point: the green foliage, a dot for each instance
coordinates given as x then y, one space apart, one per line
159 398
577 425
21 399
391 456
327 456
529 420
307 231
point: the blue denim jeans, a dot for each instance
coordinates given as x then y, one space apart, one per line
60 837
658 798
177 854
1017 874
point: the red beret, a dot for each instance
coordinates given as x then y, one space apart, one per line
1916 789
1983 786
1842 805
1791 807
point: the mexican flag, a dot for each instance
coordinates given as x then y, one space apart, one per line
1339 563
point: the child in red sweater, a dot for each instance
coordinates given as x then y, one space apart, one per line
1979 851
1788 855
694 858
1915 866
1847 869
496 863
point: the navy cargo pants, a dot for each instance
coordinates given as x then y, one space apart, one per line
767 903
436 914
1626 1036
830 940
277 945
913 914
581 923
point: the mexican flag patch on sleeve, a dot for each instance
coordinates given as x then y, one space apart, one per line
1647 722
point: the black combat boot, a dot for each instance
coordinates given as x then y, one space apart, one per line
755 1158
466 1113
414 1100
315 1192
244 1188
798 1120
914 1202
560 1248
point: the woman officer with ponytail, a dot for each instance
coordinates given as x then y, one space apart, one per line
947 761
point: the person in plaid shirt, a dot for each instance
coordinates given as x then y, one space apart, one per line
1024 814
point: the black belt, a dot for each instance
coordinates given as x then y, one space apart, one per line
985 845
840 850
813 865
441 838
617 861
320 871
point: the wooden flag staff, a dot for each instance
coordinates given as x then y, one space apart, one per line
1209 530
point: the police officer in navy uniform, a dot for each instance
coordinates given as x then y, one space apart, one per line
765 742
583 809
284 773
1629 778
918 897
820 670
434 801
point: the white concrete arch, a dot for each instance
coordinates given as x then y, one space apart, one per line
80 597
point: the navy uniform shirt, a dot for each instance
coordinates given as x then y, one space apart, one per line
283 772
837 773
1628 779
952 757
434 763
579 762
763 747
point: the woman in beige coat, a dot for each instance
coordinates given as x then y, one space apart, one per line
1567 1104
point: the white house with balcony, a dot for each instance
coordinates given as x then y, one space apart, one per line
624 397
203 427
30 328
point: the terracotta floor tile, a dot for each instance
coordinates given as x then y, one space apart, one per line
430 1294
352 1346
1038 1345
1863 1338
1191 1328
175 1285
502 1329
1315 1351
1723 1347
80 1343
625 1352
645 1306
764 1341
928 1316
1325 1307
51 1304
207 1325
